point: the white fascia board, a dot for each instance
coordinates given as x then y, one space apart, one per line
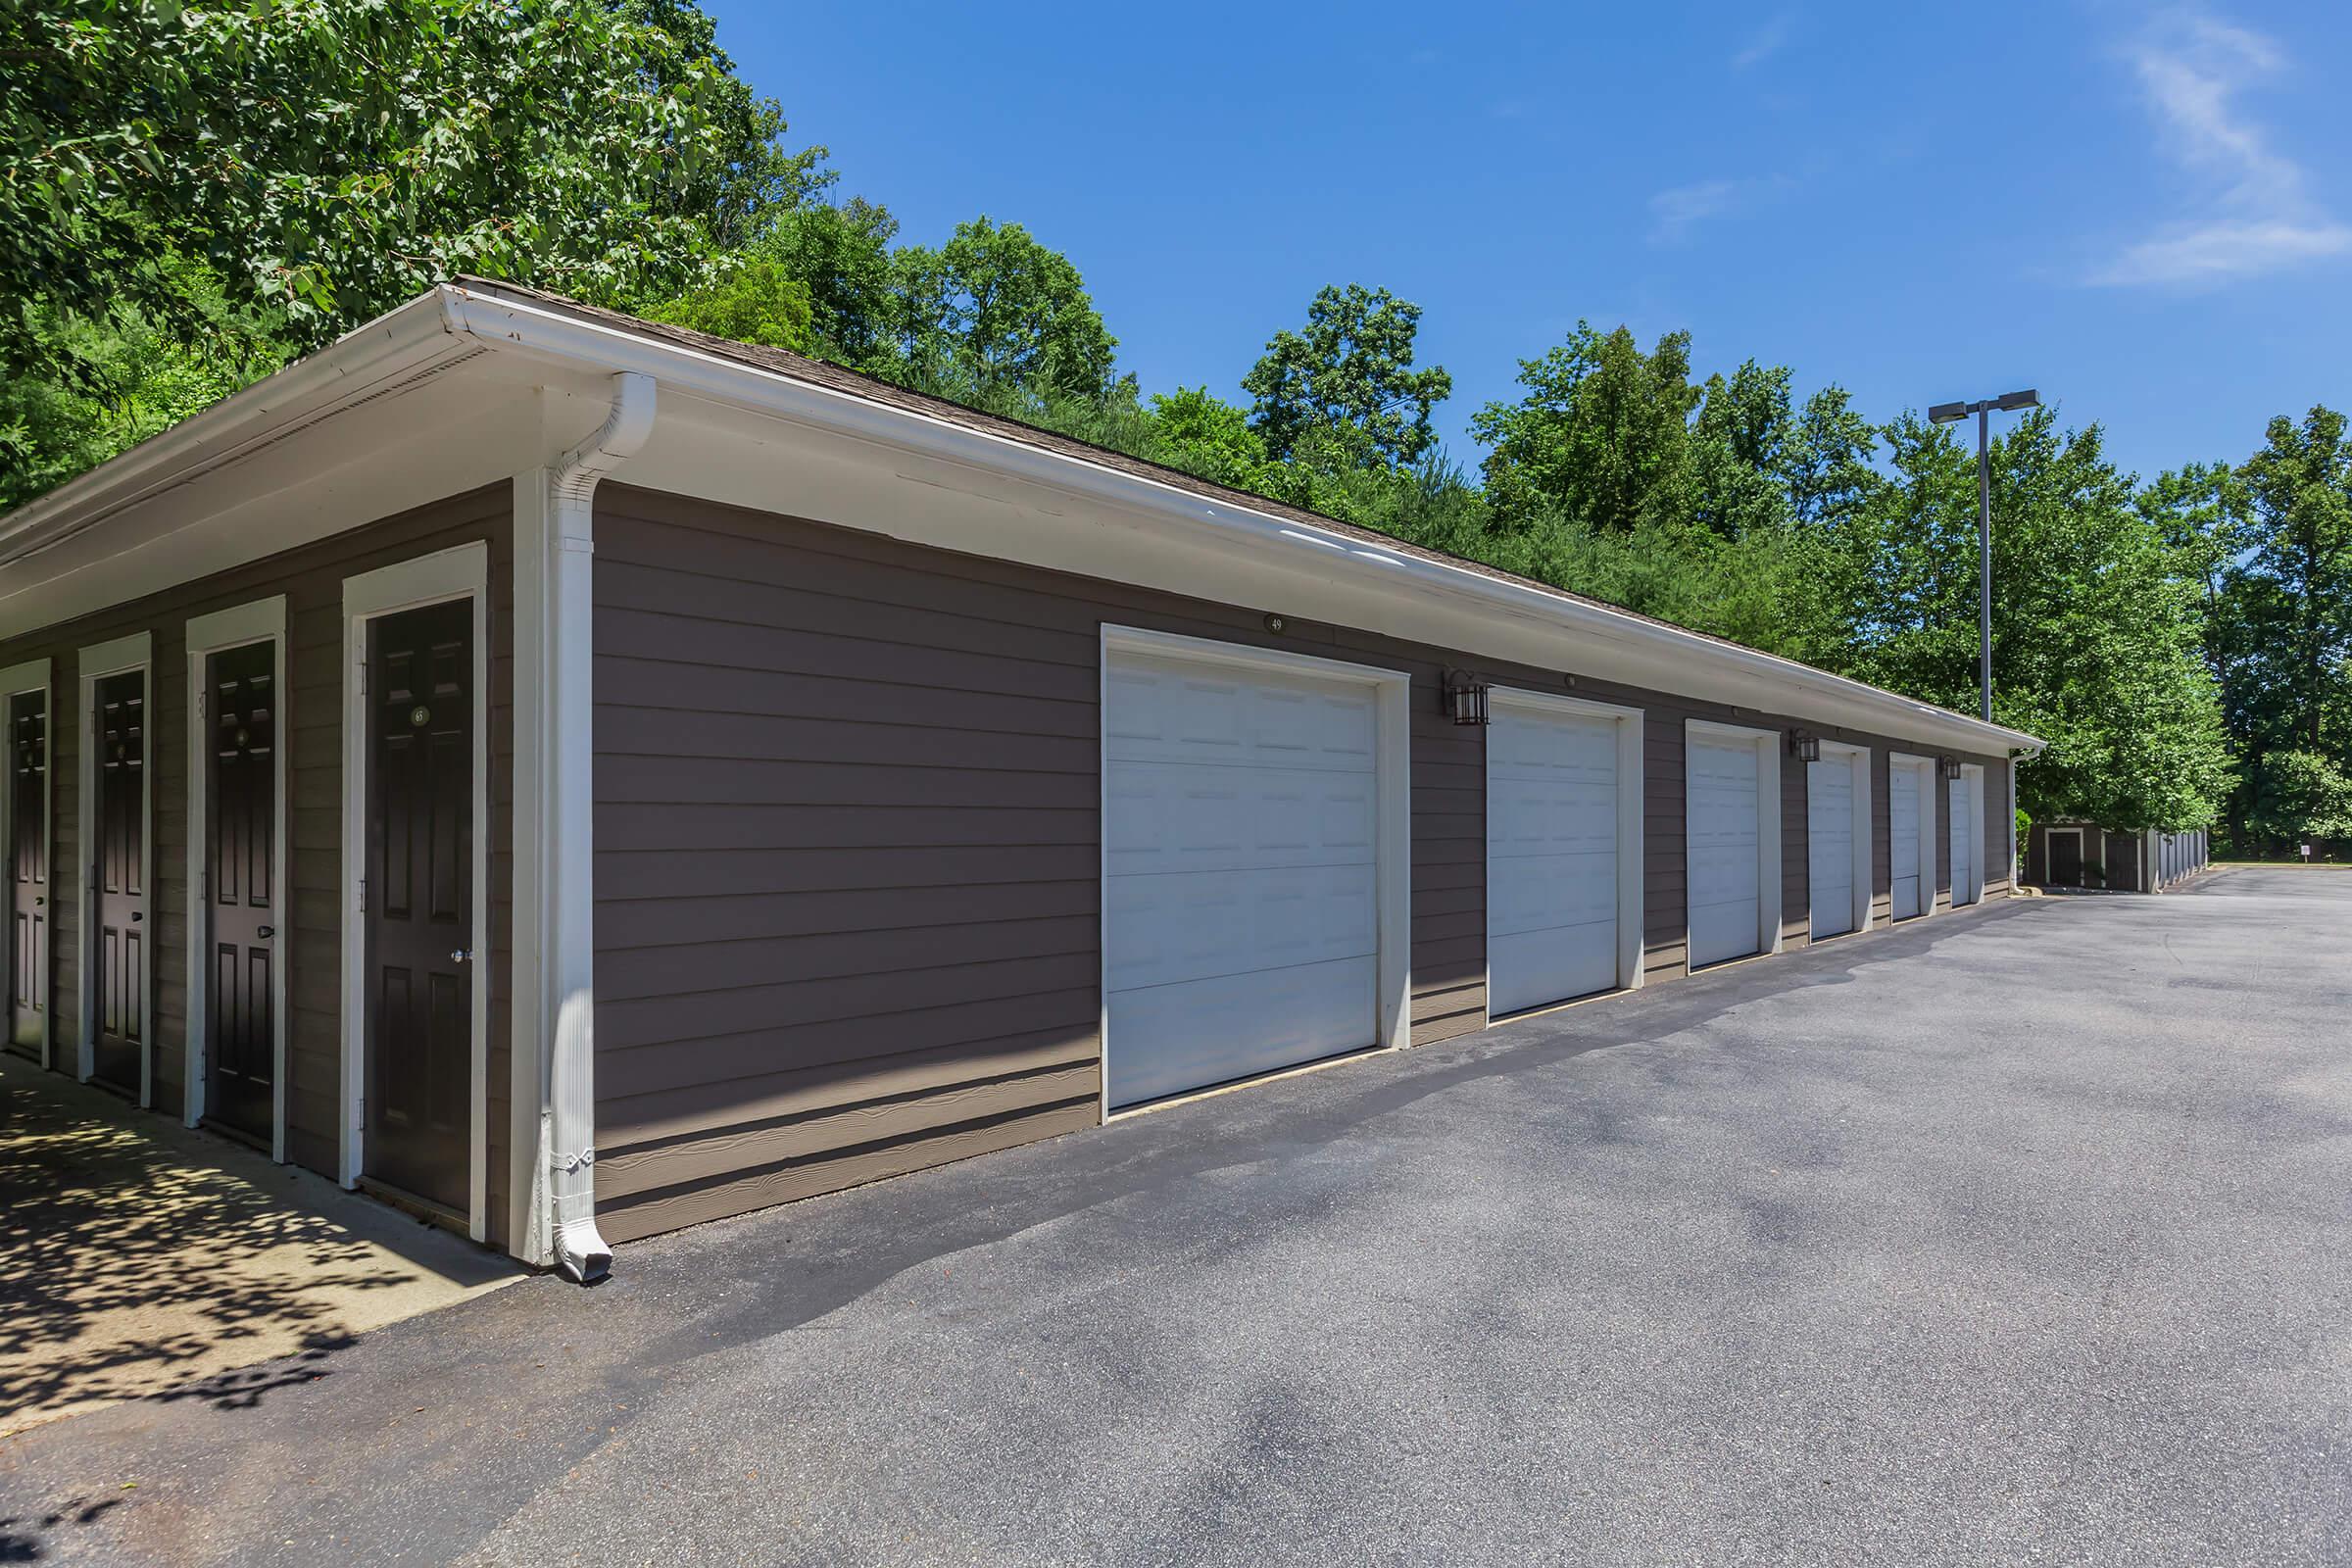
506 320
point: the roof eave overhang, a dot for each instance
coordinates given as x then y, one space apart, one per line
529 324
457 321
414 340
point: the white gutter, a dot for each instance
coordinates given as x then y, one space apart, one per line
567 921
502 320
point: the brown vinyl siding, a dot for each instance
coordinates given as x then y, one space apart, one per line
846 817
312 580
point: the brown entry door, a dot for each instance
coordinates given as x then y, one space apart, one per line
419 895
29 866
121 875
241 842
2066 860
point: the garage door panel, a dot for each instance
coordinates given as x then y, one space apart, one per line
1829 845
1902 816
1725 834
1165 710
1240 900
1551 858
1172 1038
1543 892
1180 818
1195 926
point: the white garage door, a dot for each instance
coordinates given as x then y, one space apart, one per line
1830 843
1241 875
1968 877
1902 814
1725 830
1551 858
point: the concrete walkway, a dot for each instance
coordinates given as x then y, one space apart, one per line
2021 1235
138 1258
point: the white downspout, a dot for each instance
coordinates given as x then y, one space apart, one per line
568 928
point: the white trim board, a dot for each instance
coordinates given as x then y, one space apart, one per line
93 664
460 573
33 675
1769 892
1632 798
262 620
1931 824
1394 833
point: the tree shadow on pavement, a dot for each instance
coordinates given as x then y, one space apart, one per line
132 1265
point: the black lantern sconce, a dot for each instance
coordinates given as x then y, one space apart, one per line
1952 769
1465 697
1805 745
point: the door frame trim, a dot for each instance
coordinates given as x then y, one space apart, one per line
1973 775
1771 896
1865 838
461 571
1930 822
1632 799
223 630
1393 815
91 665
33 675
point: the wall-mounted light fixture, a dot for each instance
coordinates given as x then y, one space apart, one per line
1465 697
1805 745
1952 769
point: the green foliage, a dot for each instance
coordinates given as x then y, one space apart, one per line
134 377
333 157
755 302
1351 371
2299 795
841 255
190 194
993 310
2095 632
1602 436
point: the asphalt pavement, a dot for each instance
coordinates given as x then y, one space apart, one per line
2017 1235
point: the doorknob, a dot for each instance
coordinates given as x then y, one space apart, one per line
136 915
459 955
267 932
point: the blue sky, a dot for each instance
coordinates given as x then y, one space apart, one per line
2144 210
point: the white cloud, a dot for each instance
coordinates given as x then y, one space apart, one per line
2253 211
1765 42
2225 249
1675 213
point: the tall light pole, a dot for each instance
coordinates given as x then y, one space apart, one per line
1946 414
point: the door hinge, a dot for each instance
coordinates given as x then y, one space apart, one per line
362 894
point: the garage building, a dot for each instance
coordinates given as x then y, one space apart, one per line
577 778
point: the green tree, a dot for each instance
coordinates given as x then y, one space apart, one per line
755 301
335 158
996 311
1828 463
1741 441
2300 569
840 254
136 378
2095 628
2301 796
1352 369
1601 435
